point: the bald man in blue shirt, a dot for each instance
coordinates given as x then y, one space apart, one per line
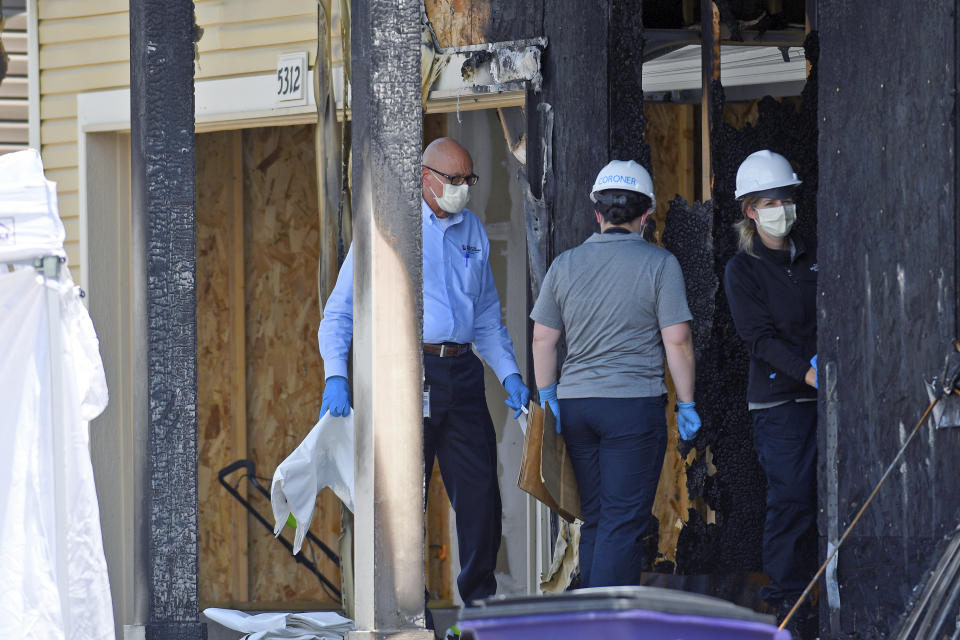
461 310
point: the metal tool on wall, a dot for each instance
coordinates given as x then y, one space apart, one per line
250 469
947 412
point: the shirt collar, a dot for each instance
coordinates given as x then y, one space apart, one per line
430 216
795 249
614 237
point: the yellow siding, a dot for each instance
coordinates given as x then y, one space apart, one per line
58 156
58 131
58 106
84 46
84 28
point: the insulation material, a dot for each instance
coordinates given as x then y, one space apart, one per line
564 567
284 374
432 61
507 65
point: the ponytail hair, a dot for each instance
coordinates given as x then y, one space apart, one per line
746 228
619 206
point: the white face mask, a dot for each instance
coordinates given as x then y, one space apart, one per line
454 198
776 222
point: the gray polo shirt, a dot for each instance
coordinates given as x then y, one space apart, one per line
611 296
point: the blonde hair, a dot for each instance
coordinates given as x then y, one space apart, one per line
746 228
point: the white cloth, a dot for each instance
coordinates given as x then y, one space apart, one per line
323 459
29 224
30 605
310 625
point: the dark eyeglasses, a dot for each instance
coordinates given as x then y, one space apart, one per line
456 180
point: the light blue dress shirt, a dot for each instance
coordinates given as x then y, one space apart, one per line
460 302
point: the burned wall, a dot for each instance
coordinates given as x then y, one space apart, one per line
888 289
575 86
459 24
724 532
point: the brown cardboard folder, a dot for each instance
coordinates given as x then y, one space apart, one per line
546 472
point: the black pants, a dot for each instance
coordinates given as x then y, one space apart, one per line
785 438
616 446
459 432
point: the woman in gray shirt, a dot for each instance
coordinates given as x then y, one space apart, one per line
620 303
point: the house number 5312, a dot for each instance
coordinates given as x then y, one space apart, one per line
291 76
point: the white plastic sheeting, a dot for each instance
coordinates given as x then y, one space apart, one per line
323 459
29 223
310 625
53 574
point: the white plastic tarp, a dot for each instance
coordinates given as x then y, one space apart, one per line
309 625
29 223
323 459
47 392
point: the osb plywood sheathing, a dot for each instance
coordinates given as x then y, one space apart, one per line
221 366
284 375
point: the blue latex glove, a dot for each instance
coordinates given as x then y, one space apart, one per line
518 395
336 397
688 421
548 395
816 376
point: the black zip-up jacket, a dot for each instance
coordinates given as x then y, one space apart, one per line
773 300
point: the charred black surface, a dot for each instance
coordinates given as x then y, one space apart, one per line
575 85
591 72
624 91
663 14
510 20
668 14
703 239
888 256
162 188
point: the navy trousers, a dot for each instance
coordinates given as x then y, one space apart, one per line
616 446
459 432
785 438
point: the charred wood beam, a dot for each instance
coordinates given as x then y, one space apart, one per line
581 126
710 72
163 167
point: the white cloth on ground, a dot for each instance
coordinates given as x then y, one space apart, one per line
309 625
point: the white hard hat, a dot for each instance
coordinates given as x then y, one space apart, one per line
763 170
624 174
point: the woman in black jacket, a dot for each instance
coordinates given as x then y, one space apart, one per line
771 286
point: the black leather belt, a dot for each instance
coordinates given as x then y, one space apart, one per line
446 349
